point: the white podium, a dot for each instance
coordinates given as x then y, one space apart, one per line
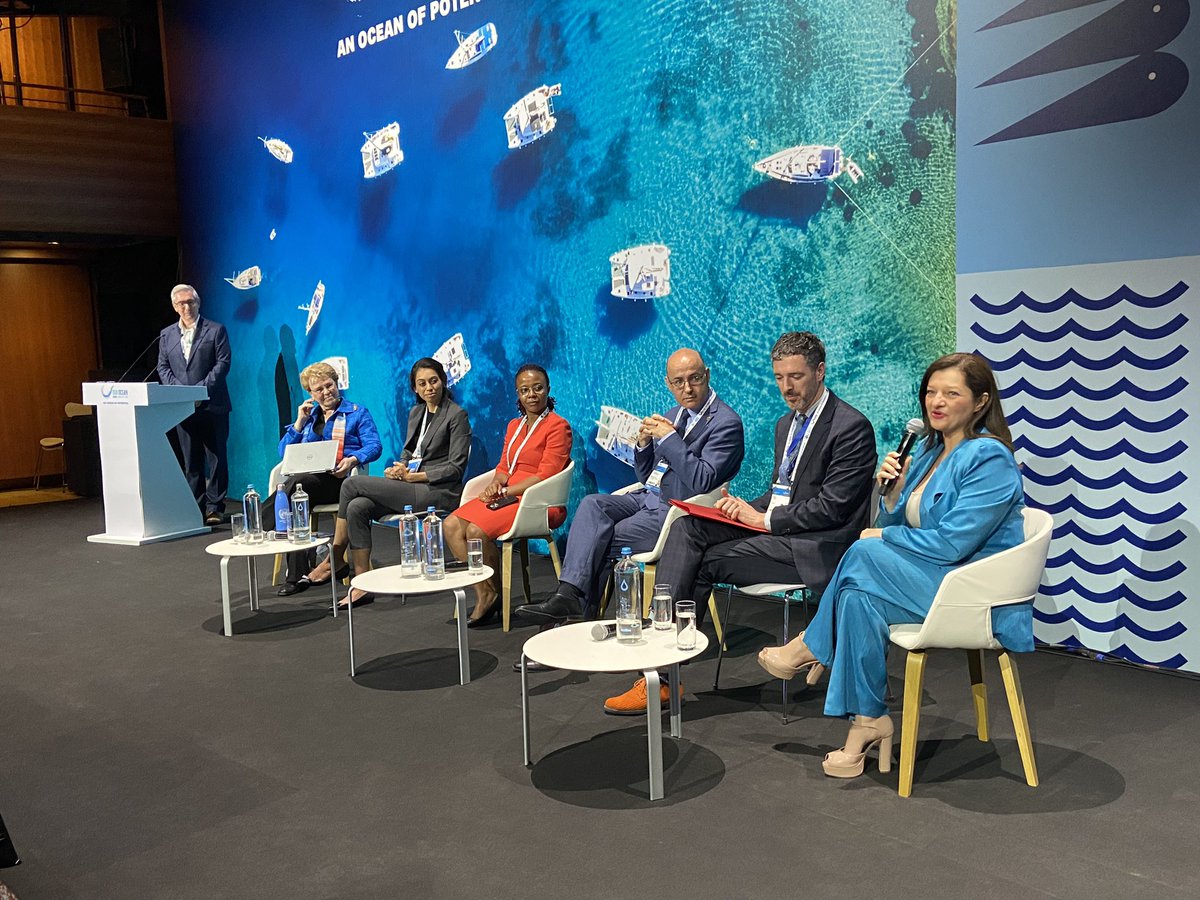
146 497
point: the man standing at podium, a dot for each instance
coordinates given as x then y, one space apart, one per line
196 351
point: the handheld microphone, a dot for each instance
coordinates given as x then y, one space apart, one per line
602 631
913 430
138 358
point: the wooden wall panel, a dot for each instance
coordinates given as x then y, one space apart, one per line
48 346
64 172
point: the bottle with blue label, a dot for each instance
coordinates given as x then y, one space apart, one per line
627 585
435 554
301 526
253 512
282 504
410 544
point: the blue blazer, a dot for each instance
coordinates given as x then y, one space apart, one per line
708 457
971 508
208 365
362 437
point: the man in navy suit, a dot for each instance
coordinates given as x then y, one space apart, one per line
196 351
694 448
811 513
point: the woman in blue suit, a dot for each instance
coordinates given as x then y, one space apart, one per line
325 416
957 499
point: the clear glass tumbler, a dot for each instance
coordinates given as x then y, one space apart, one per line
237 524
685 624
660 608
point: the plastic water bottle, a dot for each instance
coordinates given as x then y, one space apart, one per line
410 544
281 505
627 582
435 554
300 522
251 508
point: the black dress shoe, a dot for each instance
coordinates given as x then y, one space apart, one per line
486 618
556 608
532 665
214 518
295 587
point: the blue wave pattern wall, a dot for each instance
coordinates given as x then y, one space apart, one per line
665 106
1099 381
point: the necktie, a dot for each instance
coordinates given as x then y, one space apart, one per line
789 456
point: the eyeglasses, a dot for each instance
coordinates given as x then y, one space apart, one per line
530 391
695 380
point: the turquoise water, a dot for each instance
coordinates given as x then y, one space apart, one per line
664 108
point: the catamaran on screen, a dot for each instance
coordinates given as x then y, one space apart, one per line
531 117
642 272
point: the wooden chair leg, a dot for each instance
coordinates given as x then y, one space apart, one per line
914 681
1016 705
978 693
278 566
554 558
716 618
523 545
506 581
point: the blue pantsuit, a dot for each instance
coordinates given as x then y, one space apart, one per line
971 508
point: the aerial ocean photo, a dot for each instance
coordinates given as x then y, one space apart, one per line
629 124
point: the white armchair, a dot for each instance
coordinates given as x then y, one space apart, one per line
961 618
531 522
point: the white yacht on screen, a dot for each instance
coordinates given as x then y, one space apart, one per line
642 272
617 432
314 307
531 117
247 278
809 164
454 358
472 47
277 149
381 152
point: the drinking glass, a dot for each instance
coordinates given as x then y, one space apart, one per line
660 608
685 624
283 525
237 524
474 554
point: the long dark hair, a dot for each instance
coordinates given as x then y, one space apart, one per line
980 380
428 362
534 367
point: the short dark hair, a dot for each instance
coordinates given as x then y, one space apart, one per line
428 362
799 343
980 380
534 367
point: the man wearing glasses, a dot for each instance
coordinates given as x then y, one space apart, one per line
196 351
696 446
812 511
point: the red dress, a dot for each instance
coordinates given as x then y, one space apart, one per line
545 453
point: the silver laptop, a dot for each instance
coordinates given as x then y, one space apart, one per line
315 456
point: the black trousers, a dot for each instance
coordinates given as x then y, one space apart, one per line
203 438
321 488
700 553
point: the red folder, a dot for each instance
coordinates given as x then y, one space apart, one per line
708 512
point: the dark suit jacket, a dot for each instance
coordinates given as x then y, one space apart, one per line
444 453
831 490
708 457
208 365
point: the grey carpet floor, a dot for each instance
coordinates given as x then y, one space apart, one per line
142 754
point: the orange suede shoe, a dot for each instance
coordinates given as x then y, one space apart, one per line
633 701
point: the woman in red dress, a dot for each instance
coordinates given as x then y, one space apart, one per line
537 444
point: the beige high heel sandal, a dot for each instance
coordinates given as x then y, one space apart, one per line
871 733
780 669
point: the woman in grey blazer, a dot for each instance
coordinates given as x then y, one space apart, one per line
429 472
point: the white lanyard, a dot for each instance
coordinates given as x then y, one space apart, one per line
808 424
508 457
421 437
712 395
